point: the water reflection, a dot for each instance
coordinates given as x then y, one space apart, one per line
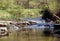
31 32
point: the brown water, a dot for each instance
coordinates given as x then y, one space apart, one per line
34 35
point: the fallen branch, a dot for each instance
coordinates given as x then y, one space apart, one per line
56 16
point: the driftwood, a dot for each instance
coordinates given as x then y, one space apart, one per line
56 16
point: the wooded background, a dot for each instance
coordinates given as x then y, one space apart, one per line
16 9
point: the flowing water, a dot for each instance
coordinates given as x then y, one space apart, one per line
29 33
